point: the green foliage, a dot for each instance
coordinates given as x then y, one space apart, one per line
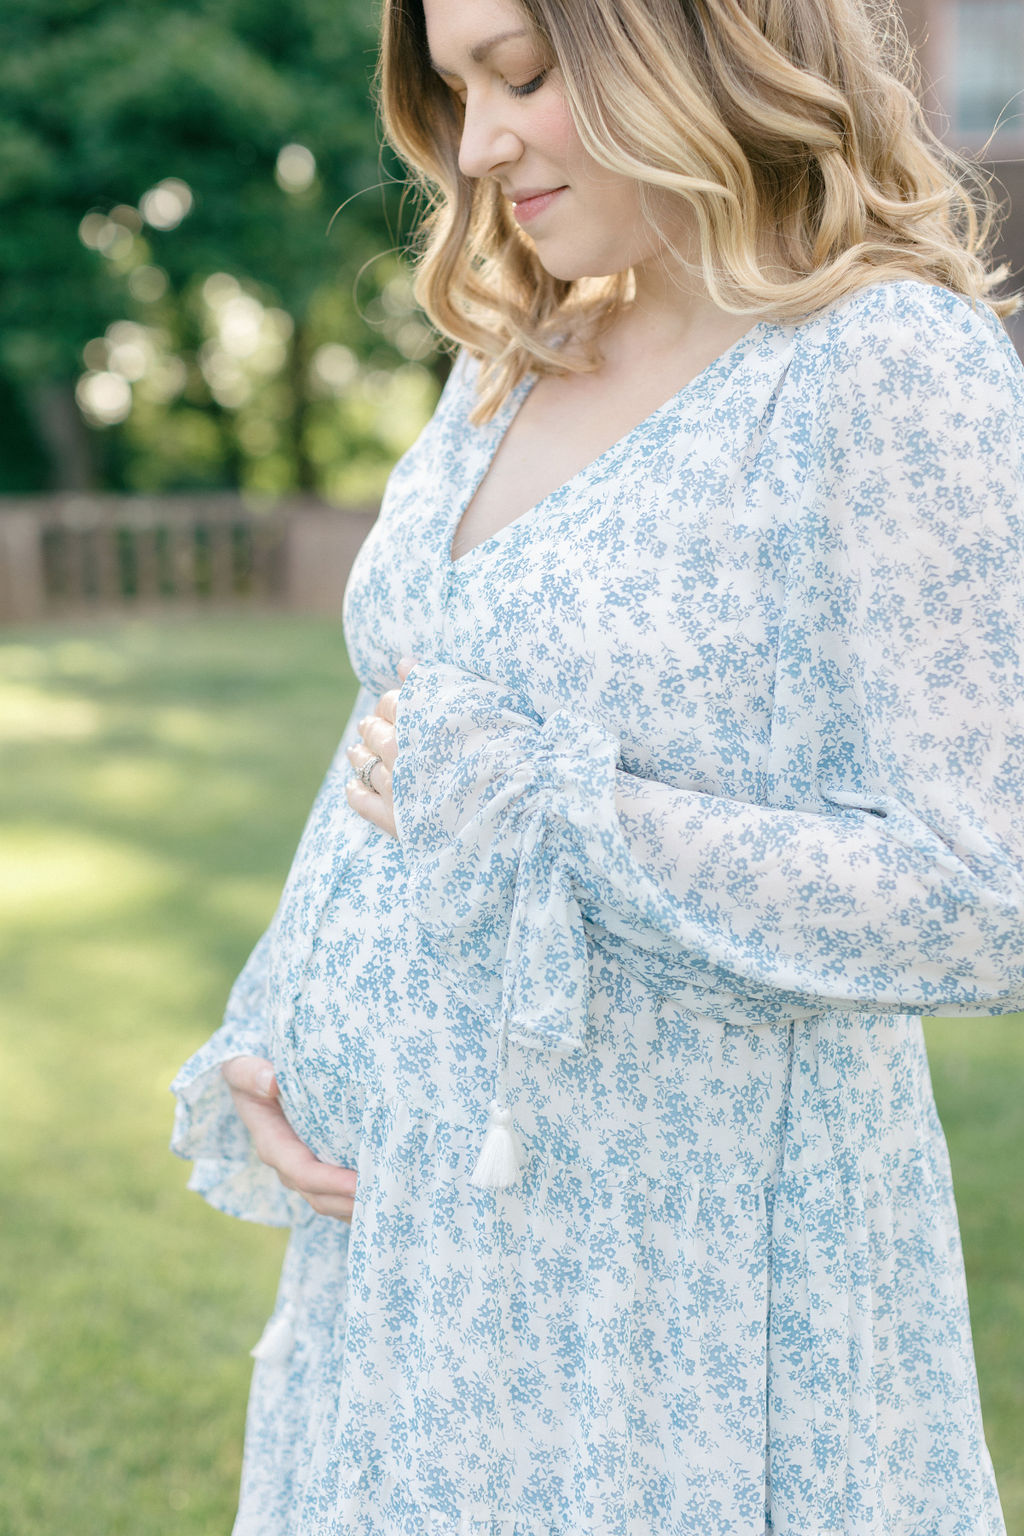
156 777
23 459
99 104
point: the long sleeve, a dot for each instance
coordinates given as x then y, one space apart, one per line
227 1172
884 868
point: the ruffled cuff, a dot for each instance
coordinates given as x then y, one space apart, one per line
207 1129
493 808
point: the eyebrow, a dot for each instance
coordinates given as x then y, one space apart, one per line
480 52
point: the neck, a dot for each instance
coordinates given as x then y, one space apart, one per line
670 311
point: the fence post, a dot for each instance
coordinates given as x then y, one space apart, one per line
22 589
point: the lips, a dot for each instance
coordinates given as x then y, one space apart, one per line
528 203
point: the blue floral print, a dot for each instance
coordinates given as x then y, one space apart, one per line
709 784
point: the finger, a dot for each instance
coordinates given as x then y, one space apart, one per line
380 773
371 806
296 1166
406 665
278 1146
379 738
321 1181
341 1209
251 1074
325 1182
386 705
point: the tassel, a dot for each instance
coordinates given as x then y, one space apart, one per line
275 1342
497 1166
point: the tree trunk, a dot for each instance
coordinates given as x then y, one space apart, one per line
64 435
305 475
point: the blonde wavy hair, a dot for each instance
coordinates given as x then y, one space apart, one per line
791 128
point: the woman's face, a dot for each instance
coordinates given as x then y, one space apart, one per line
584 220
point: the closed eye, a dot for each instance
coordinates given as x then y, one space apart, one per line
530 86
513 90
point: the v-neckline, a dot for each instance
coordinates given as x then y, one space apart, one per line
507 415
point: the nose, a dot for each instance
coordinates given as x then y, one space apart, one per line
487 139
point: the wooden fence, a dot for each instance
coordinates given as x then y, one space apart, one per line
65 555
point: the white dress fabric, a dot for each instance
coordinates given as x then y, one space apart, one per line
710 783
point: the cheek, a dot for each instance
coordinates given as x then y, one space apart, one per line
617 195
555 131
610 196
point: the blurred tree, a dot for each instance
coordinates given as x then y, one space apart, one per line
168 174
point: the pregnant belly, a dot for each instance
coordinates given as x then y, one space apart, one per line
366 1010
364 1006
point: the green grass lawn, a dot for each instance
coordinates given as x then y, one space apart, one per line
155 778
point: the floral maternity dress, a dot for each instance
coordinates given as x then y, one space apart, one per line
710 783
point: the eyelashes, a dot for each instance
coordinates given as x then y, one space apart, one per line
530 86
514 90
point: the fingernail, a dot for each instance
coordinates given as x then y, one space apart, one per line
407 661
265 1080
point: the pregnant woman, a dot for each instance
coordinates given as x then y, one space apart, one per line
583 1055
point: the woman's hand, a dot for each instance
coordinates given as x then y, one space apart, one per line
329 1190
378 740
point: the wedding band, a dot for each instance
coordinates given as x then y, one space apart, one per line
363 772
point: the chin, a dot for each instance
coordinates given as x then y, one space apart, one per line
568 269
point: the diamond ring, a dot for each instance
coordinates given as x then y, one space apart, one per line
364 771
